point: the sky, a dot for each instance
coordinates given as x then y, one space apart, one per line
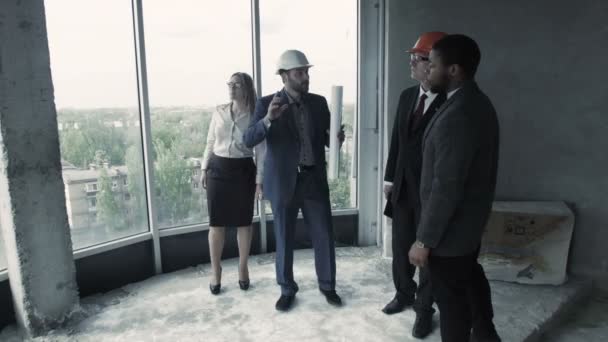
192 47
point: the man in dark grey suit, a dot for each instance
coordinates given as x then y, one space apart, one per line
295 125
460 159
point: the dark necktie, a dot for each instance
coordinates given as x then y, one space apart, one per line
417 114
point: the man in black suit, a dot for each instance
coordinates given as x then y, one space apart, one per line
417 106
460 161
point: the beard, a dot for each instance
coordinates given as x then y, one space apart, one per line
440 85
300 87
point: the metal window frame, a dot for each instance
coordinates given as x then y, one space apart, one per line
256 60
111 245
371 16
146 128
381 118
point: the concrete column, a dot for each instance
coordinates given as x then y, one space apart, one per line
32 199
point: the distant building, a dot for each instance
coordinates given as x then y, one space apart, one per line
81 188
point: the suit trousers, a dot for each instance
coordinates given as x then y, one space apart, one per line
316 210
463 296
404 235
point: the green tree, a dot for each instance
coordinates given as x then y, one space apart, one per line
108 209
196 134
78 146
184 134
100 158
172 177
339 189
74 148
165 133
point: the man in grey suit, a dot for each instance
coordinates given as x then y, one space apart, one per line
459 167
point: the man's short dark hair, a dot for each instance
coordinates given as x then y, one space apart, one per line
459 49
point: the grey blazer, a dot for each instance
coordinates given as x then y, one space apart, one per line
281 163
459 166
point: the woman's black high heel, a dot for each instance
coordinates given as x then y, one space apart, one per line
215 289
244 285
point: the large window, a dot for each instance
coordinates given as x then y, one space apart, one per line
192 49
94 77
326 31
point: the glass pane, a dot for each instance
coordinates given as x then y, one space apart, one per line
192 49
331 46
94 76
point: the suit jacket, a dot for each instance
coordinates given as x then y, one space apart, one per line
404 163
460 162
282 146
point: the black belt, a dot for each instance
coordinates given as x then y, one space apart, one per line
305 168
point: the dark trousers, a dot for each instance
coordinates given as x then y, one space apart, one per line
404 235
463 296
316 210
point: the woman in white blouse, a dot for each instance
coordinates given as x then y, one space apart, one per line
230 176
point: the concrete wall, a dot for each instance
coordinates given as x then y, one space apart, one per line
32 202
545 66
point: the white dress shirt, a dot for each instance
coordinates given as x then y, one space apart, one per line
430 97
225 139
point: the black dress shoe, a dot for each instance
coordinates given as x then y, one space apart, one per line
332 297
423 325
484 339
284 303
244 285
397 305
489 335
215 289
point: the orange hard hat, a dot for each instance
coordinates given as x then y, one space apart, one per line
424 44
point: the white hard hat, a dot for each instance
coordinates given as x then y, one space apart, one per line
292 59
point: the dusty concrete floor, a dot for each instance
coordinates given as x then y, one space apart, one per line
179 307
588 322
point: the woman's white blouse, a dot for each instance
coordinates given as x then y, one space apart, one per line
225 139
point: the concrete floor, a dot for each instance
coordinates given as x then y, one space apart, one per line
179 307
588 322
